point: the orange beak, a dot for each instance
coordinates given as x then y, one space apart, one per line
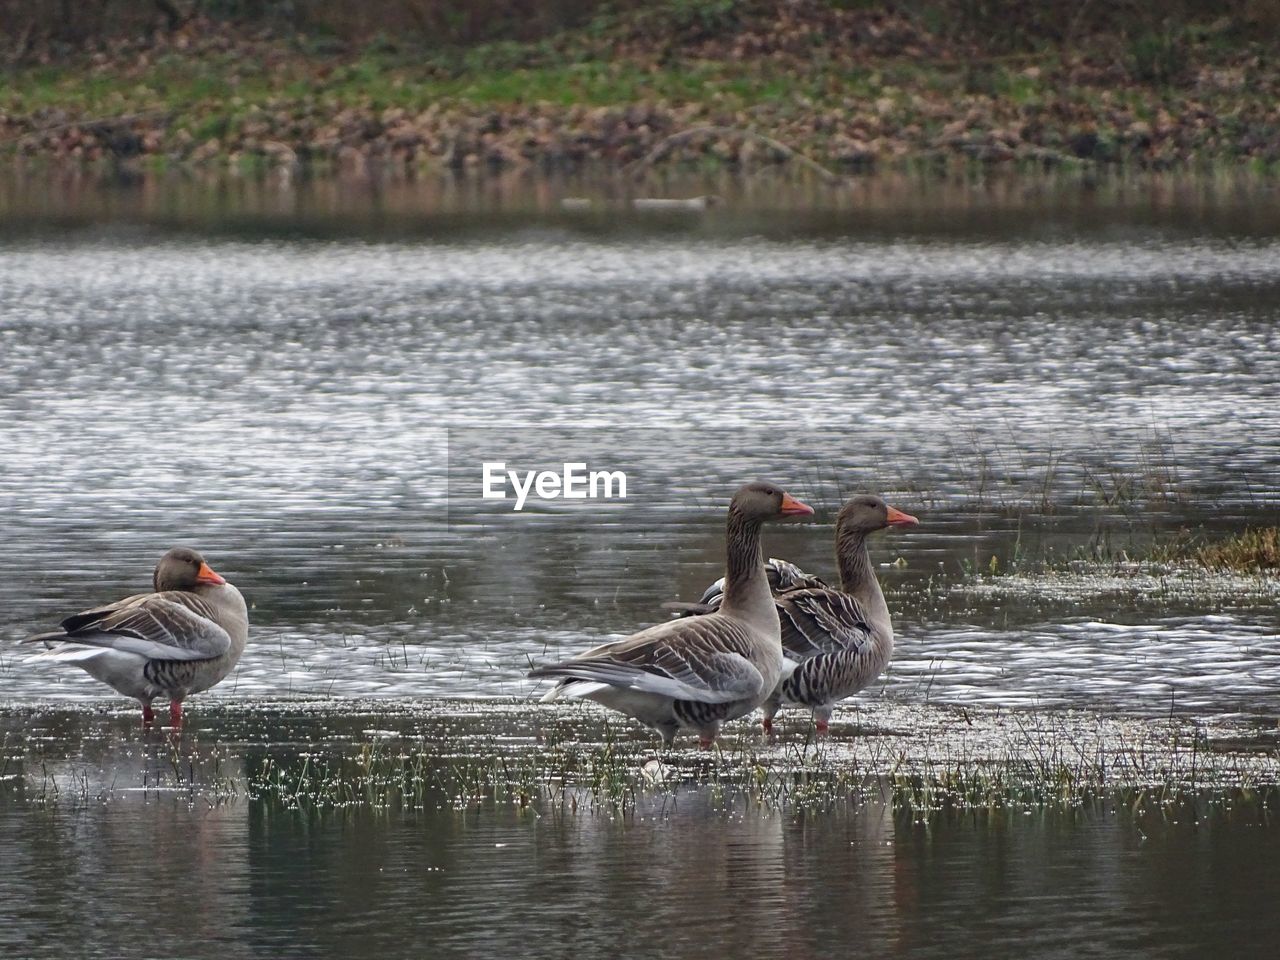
899 519
791 507
206 575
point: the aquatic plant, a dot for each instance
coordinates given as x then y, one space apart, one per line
920 761
1014 761
1255 549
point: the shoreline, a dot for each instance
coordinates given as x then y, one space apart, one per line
810 88
45 196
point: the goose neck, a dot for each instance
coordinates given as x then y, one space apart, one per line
857 578
744 581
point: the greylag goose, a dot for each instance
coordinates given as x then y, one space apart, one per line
836 642
696 673
781 574
179 640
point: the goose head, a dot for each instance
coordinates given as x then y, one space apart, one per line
865 514
761 501
183 569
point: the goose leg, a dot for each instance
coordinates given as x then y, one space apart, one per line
822 718
770 708
175 713
707 735
148 715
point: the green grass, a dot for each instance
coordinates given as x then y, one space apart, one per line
203 87
808 93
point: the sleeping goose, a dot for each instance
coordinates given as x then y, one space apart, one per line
698 672
836 642
179 640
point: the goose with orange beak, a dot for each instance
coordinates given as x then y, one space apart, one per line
836 642
695 674
181 639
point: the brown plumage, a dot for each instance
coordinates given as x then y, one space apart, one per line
696 673
181 639
835 642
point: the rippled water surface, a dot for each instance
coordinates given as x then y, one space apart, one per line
312 408
313 414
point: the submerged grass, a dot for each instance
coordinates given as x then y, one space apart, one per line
1252 551
919 761
1242 568
1044 510
997 762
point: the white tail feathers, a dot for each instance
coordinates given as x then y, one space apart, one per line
69 652
573 689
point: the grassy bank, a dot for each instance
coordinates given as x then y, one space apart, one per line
709 83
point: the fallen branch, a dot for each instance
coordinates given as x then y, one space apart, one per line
668 144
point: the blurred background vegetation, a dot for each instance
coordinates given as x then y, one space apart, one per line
854 84
1154 31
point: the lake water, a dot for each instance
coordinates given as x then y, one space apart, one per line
174 846
307 392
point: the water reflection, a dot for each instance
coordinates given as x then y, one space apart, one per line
956 887
688 869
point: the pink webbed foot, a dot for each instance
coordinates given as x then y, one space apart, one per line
767 724
822 727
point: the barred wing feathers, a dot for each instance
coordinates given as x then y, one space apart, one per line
173 625
705 659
